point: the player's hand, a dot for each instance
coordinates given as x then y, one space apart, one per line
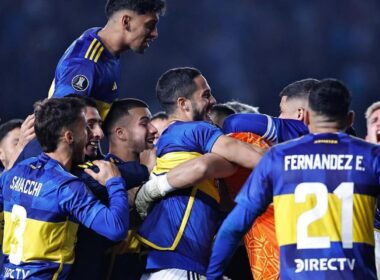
107 170
147 195
26 131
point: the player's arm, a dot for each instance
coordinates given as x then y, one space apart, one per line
233 229
252 201
78 77
112 221
237 151
182 176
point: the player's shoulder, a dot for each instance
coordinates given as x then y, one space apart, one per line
87 48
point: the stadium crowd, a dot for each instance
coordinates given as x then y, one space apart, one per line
96 187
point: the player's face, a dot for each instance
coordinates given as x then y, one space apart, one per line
141 132
373 127
8 145
80 139
143 30
202 100
95 132
160 125
290 109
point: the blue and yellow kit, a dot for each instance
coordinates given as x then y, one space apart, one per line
88 68
324 189
272 129
93 259
180 228
43 204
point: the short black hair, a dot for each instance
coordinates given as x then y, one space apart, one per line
118 110
141 7
52 116
88 101
330 98
299 89
175 83
161 115
8 126
222 109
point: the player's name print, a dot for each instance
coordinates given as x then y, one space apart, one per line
323 162
324 264
26 186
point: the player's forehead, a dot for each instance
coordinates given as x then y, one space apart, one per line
91 113
201 83
374 115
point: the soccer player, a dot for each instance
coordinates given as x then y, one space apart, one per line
324 188
180 228
91 64
32 147
373 136
9 137
43 203
129 131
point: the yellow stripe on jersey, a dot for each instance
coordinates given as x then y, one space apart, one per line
181 230
40 240
89 48
1 227
103 108
330 224
98 55
51 89
97 46
171 160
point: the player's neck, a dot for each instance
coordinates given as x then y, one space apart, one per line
111 40
63 157
124 153
325 127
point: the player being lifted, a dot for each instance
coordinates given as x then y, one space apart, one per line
91 65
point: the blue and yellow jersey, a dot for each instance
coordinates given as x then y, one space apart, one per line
377 216
92 260
43 205
88 68
180 227
324 189
272 129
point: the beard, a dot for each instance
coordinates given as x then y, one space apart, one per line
78 153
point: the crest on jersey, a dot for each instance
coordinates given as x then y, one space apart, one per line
80 82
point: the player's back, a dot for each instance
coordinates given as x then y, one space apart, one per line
38 236
324 192
182 225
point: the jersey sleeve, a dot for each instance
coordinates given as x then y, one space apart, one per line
258 124
273 129
75 77
257 192
204 134
112 221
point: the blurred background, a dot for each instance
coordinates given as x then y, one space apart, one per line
247 49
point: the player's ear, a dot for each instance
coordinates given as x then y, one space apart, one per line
120 133
68 137
126 22
182 103
306 119
301 114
